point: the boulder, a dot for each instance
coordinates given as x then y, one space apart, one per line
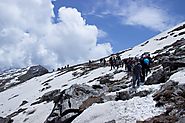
171 94
33 71
160 119
104 80
71 102
49 96
5 120
160 76
112 121
124 95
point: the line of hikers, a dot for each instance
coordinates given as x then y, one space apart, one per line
136 67
115 61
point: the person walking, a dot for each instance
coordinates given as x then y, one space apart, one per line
137 72
118 61
145 61
112 62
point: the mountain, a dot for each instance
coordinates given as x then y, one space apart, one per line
92 93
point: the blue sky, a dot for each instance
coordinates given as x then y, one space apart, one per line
54 33
120 33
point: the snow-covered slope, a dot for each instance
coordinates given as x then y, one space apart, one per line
17 101
157 42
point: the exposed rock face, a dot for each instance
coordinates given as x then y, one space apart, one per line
160 119
160 76
73 101
34 71
7 77
172 95
126 95
49 96
106 79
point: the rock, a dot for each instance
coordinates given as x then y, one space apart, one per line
124 95
182 120
112 121
160 119
72 101
159 104
16 112
173 65
87 103
34 71
142 93
168 86
97 87
49 96
157 77
170 94
117 87
6 120
104 80
23 103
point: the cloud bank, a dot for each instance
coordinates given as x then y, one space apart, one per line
28 36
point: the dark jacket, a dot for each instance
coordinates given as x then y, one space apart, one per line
137 68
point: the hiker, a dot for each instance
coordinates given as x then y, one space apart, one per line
112 62
145 63
129 67
126 63
137 72
104 62
122 62
118 61
90 62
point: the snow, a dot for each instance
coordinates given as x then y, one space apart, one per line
41 112
154 44
119 76
128 111
179 77
30 91
122 111
151 88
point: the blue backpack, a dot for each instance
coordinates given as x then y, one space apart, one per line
146 61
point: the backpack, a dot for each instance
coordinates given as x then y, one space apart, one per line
146 61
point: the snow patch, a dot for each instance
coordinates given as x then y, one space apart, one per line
179 77
122 111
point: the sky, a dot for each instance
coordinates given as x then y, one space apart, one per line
126 23
54 33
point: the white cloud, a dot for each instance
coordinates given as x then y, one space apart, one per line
147 15
102 34
27 35
137 12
